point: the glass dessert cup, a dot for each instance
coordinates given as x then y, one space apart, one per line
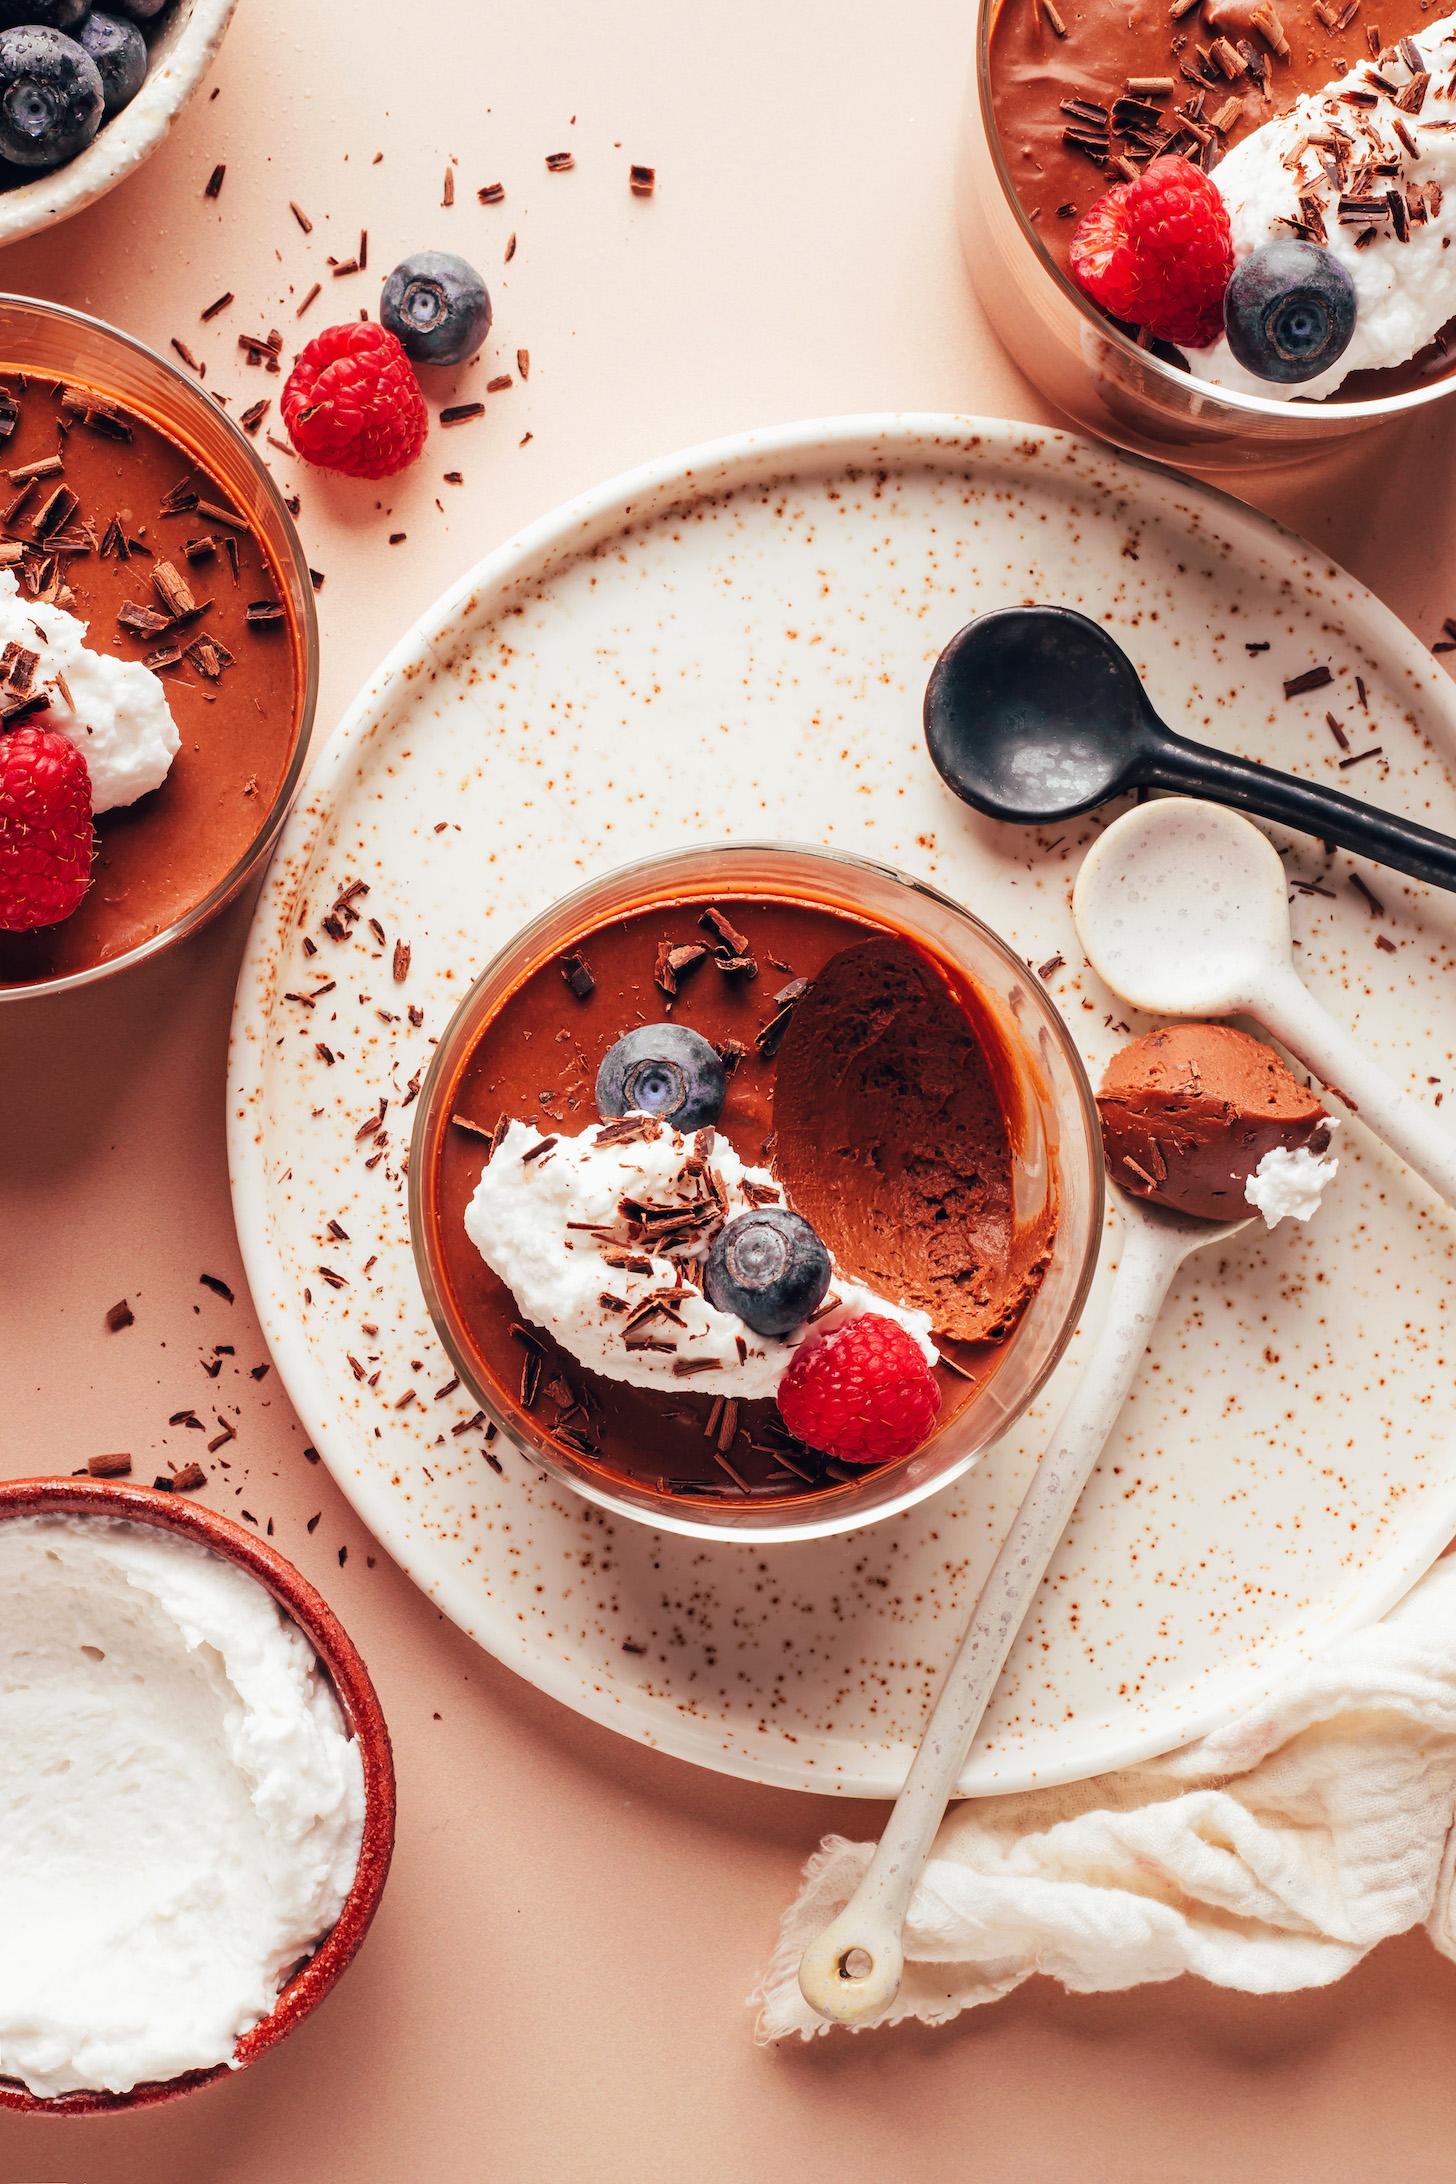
1049 1109
54 344
1096 374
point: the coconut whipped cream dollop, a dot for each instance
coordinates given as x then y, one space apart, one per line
181 1809
114 711
596 1237
1366 168
1290 1186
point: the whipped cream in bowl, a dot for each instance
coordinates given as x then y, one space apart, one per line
196 1796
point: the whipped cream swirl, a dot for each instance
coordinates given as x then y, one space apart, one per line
1366 168
599 1239
115 712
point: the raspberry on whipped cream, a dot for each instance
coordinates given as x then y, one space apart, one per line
114 711
1366 168
596 1237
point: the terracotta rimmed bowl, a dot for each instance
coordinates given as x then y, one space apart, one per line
363 1718
182 53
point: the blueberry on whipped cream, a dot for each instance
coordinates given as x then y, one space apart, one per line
770 1268
1289 312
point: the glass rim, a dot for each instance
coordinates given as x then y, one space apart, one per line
1376 410
673 1517
223 890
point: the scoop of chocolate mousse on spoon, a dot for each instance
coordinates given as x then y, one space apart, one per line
894 1140
1207 1122
1036 714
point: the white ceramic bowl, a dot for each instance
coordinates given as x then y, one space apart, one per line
181 56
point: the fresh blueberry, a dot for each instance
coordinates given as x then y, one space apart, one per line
50 97
1289 311
665 1070
140 11
120 53
54 14
438 307
768 1267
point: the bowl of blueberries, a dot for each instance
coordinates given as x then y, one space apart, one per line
86 92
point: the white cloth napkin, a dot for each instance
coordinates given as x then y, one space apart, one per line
1274 1854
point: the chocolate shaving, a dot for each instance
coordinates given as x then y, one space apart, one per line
726 933
578 975
476 1129
1313 678
115 1466
119 1316
676 961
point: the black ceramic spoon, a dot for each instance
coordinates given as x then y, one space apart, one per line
1034 714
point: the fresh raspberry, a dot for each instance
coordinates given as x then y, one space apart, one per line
353 404
1159 253
45 829
862 1392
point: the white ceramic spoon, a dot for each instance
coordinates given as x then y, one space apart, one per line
1183 909
852 1971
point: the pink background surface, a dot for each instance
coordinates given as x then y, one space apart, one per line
554 1986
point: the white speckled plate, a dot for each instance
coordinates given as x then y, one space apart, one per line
737 641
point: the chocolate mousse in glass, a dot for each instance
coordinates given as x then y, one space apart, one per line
134 504
1338 127
878 1064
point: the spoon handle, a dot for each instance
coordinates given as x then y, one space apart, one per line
1334 1055
853 1969
1306 806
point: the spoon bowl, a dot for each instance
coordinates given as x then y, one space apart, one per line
1034 714
1182 908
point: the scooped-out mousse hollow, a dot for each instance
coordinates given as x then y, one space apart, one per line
1207 1120
875 1146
